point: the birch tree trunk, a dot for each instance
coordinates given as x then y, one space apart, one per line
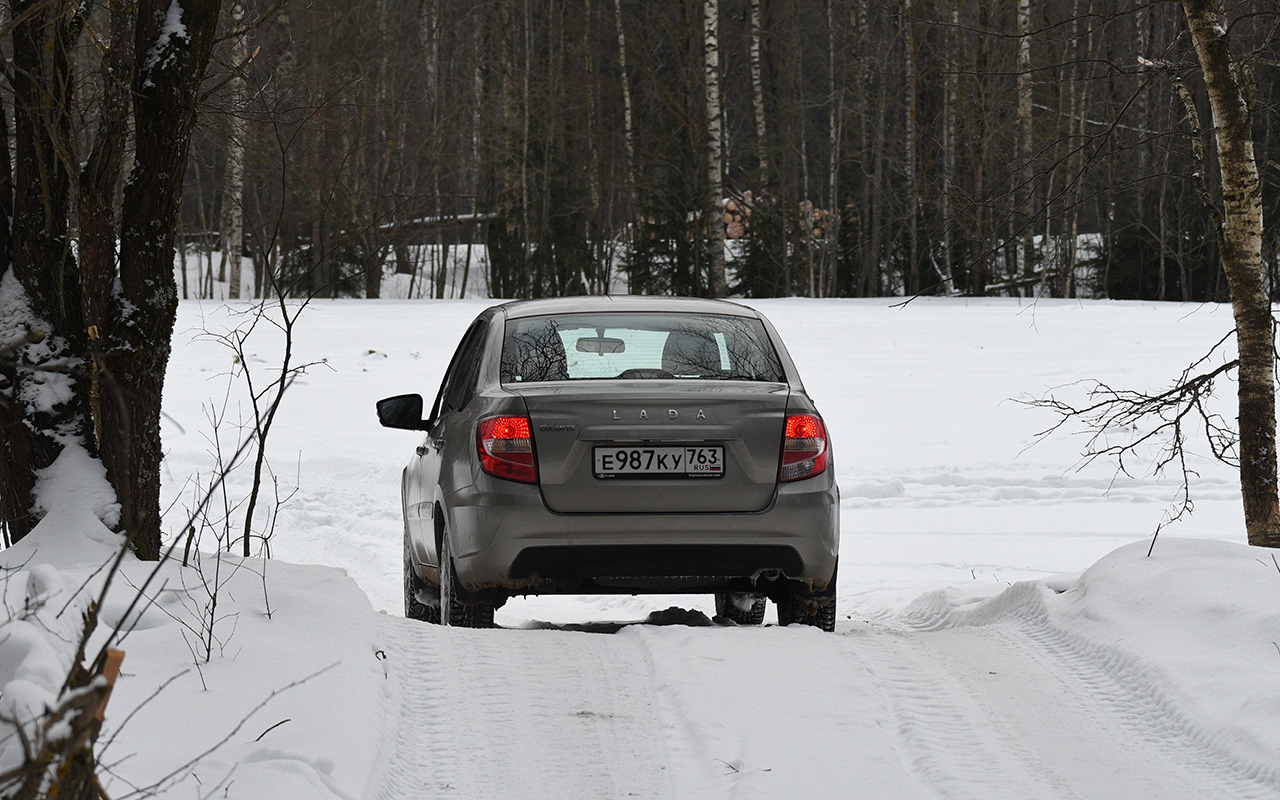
757 99
597 281
873 269
1143 112
909 155
628 134
950 101
831 226
233 183
715 156
526 112
322 283
1241 246
1024 195
478 99
871 145
1080 115
265 277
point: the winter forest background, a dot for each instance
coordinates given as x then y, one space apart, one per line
868 147
523 148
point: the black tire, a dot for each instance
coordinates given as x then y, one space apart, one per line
458 607
727 607
800 605
802 608
415 591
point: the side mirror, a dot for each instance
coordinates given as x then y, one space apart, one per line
403 411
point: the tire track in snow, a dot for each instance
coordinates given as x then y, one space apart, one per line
521 714
1212 764
988 712
937 724
1084 720
774 713
905 709
702 766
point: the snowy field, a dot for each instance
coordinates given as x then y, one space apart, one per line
1001 634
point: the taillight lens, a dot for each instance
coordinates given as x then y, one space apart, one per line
804 448
506 448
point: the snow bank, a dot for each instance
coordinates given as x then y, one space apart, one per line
1195 628
42 582
289 702
1205 617
259 679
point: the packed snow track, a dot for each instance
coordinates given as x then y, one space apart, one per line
1003 710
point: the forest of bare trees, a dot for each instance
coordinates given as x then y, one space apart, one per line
844 147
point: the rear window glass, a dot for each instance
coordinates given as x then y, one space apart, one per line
637 346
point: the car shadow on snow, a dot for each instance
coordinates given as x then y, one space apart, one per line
671 616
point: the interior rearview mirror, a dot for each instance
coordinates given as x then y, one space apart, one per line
600 345
403 411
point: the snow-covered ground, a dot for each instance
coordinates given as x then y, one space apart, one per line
1002 632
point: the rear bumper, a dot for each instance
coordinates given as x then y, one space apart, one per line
504 538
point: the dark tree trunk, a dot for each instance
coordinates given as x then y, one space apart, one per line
98 182
1241 246
42 259
170 69
6 194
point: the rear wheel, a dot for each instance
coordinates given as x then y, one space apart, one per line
800 605
458 607
421 602
742 609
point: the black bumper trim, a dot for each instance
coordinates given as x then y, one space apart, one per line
654 561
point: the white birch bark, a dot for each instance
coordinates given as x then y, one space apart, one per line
870 143
526 121
429 41
233 180
1241 244
600 273
950 101
1025 130
625 78
757 98
477 90
715 155
831 223
909 156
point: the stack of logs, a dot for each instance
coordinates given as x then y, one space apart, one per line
736 214
737 217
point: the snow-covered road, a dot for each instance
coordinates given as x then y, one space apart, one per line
1004 710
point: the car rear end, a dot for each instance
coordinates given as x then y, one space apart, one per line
641 448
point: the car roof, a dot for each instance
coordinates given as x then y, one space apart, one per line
624 303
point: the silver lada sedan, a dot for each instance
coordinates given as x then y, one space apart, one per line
619 445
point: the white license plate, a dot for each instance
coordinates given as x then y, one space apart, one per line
698 462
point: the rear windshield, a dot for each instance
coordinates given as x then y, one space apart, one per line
637 346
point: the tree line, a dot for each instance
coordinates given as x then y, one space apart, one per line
843 147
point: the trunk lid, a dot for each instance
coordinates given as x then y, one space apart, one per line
581 431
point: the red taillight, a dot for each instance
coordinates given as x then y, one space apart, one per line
506 448
804 448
